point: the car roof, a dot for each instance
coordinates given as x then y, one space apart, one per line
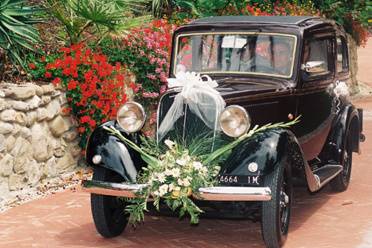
291 20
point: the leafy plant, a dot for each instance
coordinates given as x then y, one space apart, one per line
84 19
16 31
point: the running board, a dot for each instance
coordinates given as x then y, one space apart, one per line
318 178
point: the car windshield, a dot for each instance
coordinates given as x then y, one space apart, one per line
243 53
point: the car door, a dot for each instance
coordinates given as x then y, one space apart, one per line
315 102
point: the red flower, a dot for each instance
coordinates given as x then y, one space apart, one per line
85 119
43 59
81 129
92 123
48 74
72 85
32 66
56 81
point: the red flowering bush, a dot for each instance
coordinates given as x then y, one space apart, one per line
146 52
95 89
267 8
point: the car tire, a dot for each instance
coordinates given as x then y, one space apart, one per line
276 212
108 211
341 182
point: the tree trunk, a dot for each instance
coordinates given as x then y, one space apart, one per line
353 65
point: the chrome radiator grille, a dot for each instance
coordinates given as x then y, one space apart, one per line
188 126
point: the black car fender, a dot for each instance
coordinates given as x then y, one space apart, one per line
347 121
115 155
267 149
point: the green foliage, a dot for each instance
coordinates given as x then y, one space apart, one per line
16 31
84 19
351 14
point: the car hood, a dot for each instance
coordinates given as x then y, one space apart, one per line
231 90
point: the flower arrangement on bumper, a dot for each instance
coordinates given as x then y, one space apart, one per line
175 171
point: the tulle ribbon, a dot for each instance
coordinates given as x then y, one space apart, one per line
199 94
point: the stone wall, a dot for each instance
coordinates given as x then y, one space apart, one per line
37 140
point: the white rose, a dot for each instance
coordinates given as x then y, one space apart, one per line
170 187
163 189
186 182
181 162
161 177
176 172
168 172
197 165
179 181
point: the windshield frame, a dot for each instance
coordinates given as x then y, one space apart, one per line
181 35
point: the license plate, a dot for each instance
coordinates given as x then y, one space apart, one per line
232 180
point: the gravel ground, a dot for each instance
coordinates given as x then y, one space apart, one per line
69 180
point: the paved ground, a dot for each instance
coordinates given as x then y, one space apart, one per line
322 220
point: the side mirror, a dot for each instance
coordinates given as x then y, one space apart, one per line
314 67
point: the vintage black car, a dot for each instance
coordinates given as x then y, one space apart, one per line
268 69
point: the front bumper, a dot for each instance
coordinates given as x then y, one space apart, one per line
220 193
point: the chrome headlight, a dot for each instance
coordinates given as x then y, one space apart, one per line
131 117
234 121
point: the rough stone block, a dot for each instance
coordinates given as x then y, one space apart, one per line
17 182
34 102
45 100
65 163
47 89
6 165
5 128
19 105
10 141
41 114
22 92
8 115
20 118
52 109
58 126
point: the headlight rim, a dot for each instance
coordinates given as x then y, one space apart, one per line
141 108
246 115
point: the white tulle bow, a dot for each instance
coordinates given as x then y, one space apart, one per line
200 96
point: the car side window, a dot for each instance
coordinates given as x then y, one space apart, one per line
319 51
342 55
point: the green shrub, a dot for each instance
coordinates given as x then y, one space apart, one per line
16 31
94 19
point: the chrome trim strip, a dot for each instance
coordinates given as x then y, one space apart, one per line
225 193
113 189
220 193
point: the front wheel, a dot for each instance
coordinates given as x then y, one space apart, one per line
276 212
341 182
108 211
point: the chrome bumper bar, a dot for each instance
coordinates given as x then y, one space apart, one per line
220 193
